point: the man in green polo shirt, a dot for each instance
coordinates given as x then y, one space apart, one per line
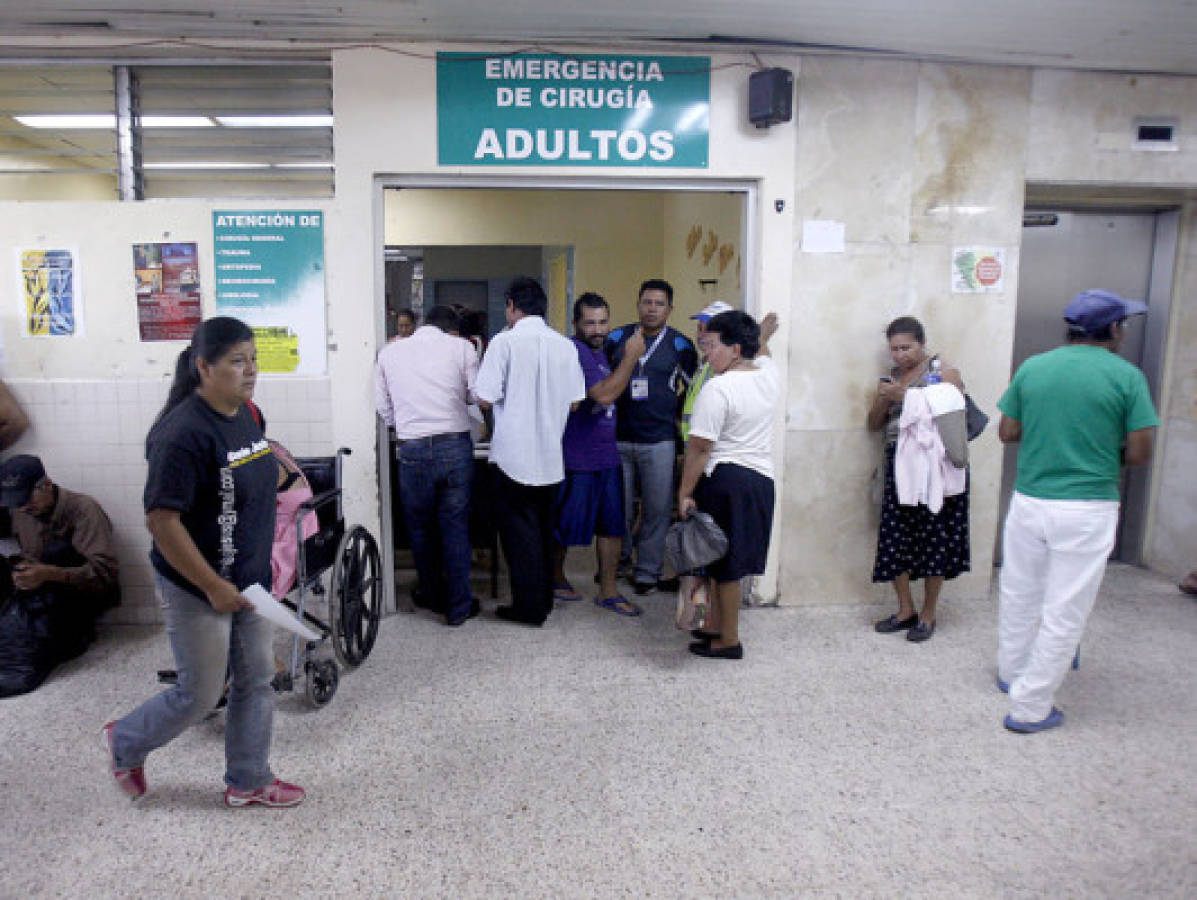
1078 413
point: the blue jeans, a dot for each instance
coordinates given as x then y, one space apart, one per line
208 645
649 466
435 478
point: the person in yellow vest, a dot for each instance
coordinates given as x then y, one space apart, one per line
704 370
703 375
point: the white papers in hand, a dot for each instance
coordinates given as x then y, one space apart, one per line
268 608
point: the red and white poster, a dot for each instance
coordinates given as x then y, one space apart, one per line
978 270
168 290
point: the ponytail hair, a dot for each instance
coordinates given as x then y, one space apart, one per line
212 339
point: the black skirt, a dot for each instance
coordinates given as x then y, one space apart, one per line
917 542
740 500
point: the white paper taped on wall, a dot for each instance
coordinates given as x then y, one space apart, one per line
822 236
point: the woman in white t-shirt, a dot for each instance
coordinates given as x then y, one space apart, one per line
729 462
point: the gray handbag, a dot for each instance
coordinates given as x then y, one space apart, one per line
974 419
694 542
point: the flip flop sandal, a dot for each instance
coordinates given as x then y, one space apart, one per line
565 593
617 604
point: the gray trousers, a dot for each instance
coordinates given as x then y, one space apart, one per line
649 468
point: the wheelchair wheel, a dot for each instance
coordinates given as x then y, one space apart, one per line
355 602
322 681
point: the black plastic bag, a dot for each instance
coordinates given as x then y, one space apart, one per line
26 650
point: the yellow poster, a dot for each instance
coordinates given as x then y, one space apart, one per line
278 349
49 299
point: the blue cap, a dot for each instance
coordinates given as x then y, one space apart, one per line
18 477
1093 310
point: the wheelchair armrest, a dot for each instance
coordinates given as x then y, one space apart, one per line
319 500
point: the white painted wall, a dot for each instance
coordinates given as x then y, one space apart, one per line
92 398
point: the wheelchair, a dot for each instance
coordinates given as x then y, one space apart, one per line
354 591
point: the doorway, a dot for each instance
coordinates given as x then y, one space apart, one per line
1130 252
605 236
473 278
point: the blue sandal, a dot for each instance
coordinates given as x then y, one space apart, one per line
565 592
618 604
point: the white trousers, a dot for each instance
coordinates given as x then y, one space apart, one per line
1054 554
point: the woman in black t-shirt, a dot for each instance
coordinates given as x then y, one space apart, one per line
209 501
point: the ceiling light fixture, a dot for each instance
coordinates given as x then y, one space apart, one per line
101 120
177 122
107 121
275 121
206 165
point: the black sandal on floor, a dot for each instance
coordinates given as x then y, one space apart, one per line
890 624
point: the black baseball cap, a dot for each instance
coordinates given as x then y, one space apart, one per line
18 475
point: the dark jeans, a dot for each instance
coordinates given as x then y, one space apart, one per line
435 477
525 516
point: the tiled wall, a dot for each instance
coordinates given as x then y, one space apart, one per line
90 434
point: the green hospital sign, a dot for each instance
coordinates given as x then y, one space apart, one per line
533 109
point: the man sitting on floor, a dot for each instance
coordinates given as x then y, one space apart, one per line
64 577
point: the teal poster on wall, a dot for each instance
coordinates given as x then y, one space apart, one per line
535 109
270 274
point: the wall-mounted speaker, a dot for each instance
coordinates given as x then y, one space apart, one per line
770 97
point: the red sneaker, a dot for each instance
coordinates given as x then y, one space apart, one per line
276 794
130 781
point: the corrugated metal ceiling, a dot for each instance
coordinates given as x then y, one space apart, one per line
1125 35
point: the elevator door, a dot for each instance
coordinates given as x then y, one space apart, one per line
1111 251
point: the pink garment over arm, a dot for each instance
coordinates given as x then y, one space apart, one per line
922 471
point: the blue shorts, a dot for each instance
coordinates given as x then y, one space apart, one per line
590 503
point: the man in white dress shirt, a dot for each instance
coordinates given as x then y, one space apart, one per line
532 379
421 388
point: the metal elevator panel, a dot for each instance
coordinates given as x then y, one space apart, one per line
1113 251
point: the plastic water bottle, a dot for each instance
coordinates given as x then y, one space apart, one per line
933 376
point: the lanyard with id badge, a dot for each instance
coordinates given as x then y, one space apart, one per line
638 386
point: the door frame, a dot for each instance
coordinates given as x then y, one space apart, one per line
749 241
1134 519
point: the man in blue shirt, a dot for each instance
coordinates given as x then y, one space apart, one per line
591 499
647 414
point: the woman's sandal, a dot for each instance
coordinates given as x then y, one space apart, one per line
617 604
565 592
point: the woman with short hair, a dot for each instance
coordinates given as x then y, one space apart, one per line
729 462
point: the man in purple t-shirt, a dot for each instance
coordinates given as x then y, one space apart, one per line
591 498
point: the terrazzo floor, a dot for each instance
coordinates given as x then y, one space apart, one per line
596 758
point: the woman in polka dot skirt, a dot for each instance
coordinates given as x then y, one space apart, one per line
913 542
